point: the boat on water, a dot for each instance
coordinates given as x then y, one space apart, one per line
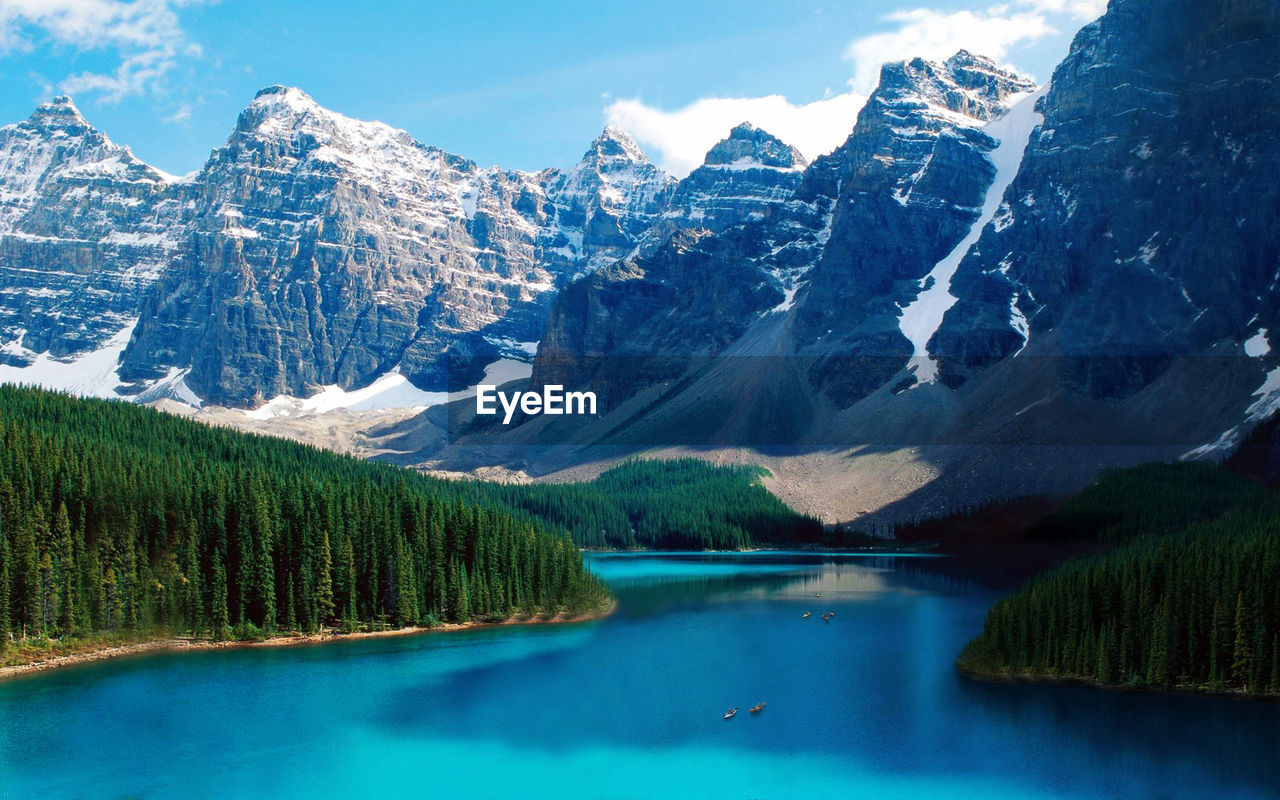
806 615
730 713
757 709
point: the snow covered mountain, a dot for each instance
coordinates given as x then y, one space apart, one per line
747 176
330 251
312 250
914 177
738 234
1014 287
85 230
835 247
604 204
1141 225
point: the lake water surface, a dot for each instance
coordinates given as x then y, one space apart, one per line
867 705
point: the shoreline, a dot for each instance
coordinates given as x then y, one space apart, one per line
179 644
1028 679
888 548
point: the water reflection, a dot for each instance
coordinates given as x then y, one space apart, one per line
698 634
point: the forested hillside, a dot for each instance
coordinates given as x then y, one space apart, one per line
1191 600
675 504
115 517
1125 504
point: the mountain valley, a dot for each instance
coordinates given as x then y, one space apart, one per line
991 289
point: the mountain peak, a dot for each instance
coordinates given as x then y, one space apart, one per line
749 146
276 109
617 134
983 75
964 58
966 84
280 89
60 113
281 100
281 112
614 143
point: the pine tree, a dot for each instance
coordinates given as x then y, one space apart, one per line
1242 655
6 630
221 618
324 582
263 586
347 583
66 572
437 590
26 580
111 602
459 602
406 583
47 594
192 585
289 620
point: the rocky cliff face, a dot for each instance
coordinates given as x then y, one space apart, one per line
603 205
856 235
1020 287
912 180
638 322
1142 224
753 188
85 230
737 236
311 249
749 176
327 250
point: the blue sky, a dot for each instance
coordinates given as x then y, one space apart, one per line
520 84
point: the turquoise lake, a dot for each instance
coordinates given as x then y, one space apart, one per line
867 705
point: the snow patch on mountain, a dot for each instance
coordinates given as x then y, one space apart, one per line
921 317
788 301
94 374
1258 345
1019 322
1268 403
513 348
390 392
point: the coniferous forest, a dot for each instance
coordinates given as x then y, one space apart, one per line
678 504
1190 599
117 518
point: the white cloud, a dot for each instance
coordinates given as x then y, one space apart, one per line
684 136
1080 10
134 75
145 34
936 35
181 115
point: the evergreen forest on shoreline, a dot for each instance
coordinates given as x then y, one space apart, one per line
121 523
1188 599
